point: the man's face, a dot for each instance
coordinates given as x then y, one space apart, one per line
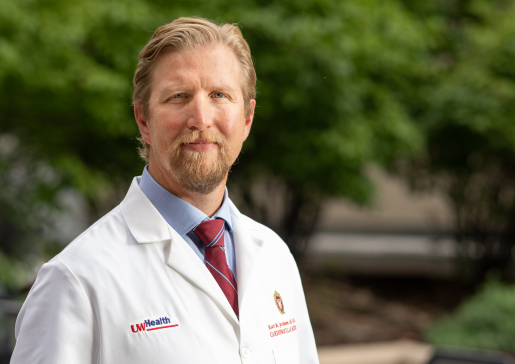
196 124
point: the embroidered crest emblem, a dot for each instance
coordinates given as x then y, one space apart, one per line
279 302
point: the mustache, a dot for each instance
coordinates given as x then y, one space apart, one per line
199 135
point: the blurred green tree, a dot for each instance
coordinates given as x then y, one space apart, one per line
467 117
333 79
65 85
336 81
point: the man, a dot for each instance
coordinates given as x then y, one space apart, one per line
175 274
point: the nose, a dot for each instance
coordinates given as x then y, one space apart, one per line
201 114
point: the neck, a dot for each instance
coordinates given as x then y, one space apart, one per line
208 204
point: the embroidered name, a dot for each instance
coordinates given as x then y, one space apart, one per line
284 327
151 325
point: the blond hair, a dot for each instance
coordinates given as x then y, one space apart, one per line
183 34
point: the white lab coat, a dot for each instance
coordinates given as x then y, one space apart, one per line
131 268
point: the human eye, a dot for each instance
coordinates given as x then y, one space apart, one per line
178 96
218 95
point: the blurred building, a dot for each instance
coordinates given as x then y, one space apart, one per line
401 233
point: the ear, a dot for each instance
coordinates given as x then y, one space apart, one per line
142 123
249 119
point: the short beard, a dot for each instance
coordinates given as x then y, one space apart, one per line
197 171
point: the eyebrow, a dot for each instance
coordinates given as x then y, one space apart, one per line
169 89
225 88
173 88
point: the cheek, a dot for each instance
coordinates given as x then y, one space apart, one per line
233 123
235 137
164 129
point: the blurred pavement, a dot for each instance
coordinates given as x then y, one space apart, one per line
398 352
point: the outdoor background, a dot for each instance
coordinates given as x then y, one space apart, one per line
382 151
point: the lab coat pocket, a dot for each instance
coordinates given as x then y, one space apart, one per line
288 354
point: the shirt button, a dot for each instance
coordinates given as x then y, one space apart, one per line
245 352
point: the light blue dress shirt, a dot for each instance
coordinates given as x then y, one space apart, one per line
184 218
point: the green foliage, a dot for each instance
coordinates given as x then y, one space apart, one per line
12 274
65 83
334 79
485 321
467 118
332 91
26 198
341 85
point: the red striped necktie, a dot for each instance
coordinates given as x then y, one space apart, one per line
211 233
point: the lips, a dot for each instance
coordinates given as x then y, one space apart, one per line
200 145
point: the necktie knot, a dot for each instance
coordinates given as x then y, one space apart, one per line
211 233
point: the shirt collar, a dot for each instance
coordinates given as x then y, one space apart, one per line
179 214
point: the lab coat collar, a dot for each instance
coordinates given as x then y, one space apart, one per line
248 245
148 226
185 262
179 214
144 221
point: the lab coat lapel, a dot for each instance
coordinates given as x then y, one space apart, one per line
143 220
148 226
184 260
248 249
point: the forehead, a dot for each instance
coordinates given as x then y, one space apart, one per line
205 67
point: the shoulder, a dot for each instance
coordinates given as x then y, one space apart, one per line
110 228
64 279
99 245
116 237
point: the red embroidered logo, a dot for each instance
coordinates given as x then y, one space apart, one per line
279 302
151 325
